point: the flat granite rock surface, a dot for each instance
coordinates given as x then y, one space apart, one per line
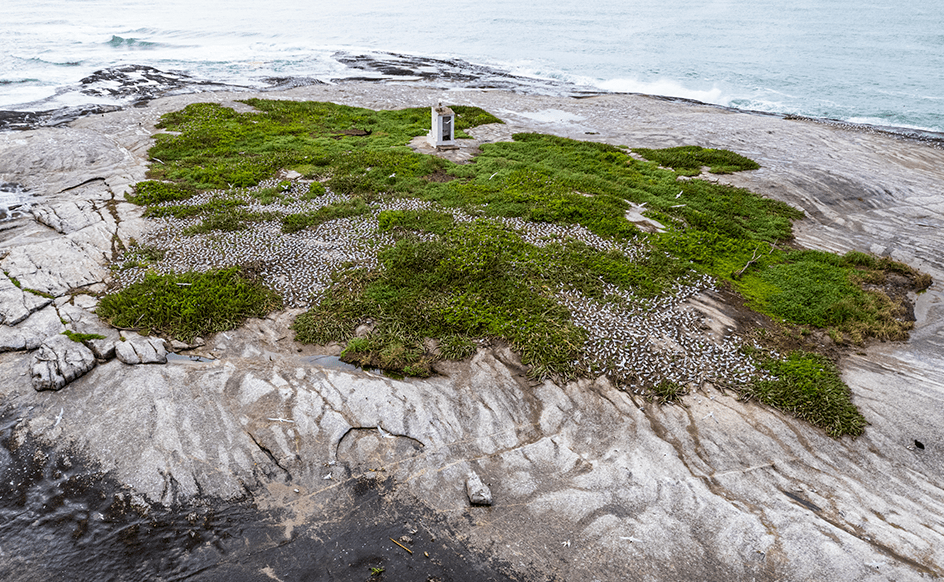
587 482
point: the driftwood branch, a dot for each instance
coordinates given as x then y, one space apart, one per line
754 258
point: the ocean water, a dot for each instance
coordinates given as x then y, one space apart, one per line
862 61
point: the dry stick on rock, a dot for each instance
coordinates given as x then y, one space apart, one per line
401 545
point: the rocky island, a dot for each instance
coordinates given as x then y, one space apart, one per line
626 432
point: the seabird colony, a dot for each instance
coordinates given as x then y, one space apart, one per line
638 343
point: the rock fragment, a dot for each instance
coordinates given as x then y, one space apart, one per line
59 361
82 320
478 492
30 333
137 349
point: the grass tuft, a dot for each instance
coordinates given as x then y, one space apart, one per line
344 209
808 386
152 192
666 392
416 220
689 160
189 305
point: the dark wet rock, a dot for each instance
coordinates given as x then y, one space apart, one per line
58 361
440 72
142 83
478 492
130 84
22 120
136 349
283 83
68 518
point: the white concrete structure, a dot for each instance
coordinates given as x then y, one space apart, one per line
442 134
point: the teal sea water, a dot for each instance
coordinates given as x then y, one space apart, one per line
855 60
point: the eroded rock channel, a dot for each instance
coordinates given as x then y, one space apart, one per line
257 453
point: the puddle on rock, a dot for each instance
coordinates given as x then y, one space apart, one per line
187 359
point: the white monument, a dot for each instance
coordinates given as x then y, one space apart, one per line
443 133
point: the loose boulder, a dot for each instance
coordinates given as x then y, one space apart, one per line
137 349
478 492
58 361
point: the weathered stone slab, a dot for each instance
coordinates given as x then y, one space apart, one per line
16 304
68 216
136 349
59 361
30 333
54 266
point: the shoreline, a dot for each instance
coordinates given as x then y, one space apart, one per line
178 83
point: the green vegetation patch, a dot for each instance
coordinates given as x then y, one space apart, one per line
82 337
188 305
808 386
666 392
468 117
471 283
551 179
688 160
416 220
138 255
476 281
344 209
153 192
364 150
840 293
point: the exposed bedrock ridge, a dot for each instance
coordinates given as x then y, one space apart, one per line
734 489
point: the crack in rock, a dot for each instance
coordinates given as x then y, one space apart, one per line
67 217
269 454
30 334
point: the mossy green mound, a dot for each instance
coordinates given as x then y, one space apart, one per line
189 305
689 160
809 387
